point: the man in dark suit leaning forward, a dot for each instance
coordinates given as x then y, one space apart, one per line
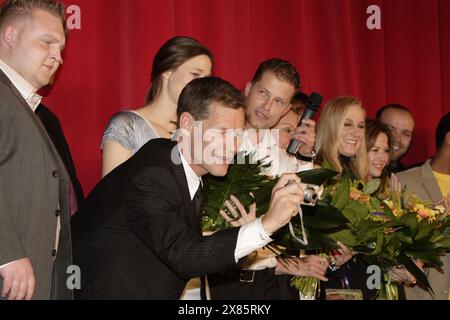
138 235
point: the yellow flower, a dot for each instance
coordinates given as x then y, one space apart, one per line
440 209
420 210
355 194
389 203
395 208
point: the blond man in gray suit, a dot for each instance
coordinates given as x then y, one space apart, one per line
35 245
431 182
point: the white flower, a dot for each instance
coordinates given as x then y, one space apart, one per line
281 163
268 152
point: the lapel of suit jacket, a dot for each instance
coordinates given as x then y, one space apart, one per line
38 124
180 175
429 182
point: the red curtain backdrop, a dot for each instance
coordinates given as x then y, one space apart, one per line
108 62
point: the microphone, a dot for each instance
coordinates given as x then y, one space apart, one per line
312 106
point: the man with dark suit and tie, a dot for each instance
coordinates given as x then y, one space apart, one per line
138 235
35 242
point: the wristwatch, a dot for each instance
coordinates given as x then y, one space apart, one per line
309 158
333 267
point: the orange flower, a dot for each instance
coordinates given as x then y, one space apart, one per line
355 194
365 199
423 213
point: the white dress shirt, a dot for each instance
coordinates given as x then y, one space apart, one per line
27 91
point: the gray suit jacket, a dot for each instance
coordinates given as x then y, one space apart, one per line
33 193
422 182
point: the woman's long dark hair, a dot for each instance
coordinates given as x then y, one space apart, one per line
171 55
373 130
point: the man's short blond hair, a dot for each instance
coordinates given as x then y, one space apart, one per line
14 10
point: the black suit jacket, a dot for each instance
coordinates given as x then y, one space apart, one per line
53 127
138 235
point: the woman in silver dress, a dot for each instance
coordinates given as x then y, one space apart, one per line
178 61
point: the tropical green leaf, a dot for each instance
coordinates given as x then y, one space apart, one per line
388 212
429 257
323 216
446 225
342 196
317 176
240 181
425 230
410 220
317 240
346 236
355 211
443 242
375 204
421 278
372 186
327 165
403 237
446 231
379 244
368 230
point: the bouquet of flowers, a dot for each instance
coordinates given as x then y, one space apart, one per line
388 230
391 229
245 181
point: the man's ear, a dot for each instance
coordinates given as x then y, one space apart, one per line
447 139
186 121
9 36
248 87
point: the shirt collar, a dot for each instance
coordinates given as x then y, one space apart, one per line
26 90
267 139
193 180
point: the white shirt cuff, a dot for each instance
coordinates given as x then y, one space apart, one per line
252 236
305 166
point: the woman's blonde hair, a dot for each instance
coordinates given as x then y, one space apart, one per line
330 126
